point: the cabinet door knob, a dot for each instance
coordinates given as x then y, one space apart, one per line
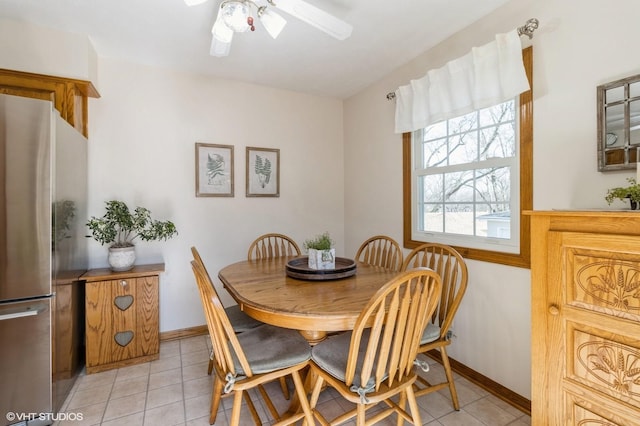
123 283
554 310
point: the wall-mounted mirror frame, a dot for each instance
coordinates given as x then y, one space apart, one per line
619 124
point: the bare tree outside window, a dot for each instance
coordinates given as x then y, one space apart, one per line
466 177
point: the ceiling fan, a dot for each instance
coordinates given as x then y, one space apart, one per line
236 16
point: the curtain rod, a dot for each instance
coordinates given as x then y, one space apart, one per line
527 29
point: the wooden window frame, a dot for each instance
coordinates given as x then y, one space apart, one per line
523 258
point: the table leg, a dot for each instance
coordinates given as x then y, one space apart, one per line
314 336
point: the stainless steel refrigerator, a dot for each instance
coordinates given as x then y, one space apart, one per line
43 191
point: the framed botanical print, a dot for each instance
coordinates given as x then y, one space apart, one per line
214 170
263 172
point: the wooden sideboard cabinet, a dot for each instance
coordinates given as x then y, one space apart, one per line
585 280
121 311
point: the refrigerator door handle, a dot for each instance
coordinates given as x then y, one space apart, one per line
28 312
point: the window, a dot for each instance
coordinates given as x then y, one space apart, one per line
468 179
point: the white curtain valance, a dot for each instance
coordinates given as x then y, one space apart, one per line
486 76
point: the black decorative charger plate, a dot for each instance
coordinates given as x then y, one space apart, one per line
299 268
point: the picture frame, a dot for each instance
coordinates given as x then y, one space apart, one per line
214 170
263 172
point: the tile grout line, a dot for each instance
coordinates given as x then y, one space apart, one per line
146 396
184 400
104 410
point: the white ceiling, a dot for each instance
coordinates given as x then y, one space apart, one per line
167 33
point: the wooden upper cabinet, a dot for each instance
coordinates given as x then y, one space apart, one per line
69 96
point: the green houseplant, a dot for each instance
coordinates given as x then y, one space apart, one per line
321 253
631 191
120 227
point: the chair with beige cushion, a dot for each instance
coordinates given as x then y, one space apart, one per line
250 359
451 267
268 246
239 320
374 364
381 251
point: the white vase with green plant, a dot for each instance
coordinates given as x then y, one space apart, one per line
120 227
322 255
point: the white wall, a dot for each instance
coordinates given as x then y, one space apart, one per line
579 45
142 139
32 48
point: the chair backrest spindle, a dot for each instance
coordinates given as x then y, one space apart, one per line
272 245
380 250
452 268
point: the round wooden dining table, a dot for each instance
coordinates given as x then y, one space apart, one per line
265 292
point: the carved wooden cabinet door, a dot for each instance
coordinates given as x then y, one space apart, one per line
591 360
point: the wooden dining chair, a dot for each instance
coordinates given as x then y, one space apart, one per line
381 251
452 268
239 320
374 363
268 246
250 359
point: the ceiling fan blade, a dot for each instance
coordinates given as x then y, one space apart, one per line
194 2
272 22
221 38
315 17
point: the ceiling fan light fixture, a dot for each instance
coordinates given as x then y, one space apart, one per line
235 14
271 21
221 32
219 48
221 40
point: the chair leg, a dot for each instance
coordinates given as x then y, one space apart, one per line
252 409
315 393
449 374
361 419
237 405
285 388
302 395
413 405
215 399
402 402
268 402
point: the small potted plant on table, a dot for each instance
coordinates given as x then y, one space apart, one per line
119 226
322 255
632 192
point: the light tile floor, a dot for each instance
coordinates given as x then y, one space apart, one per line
176 390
